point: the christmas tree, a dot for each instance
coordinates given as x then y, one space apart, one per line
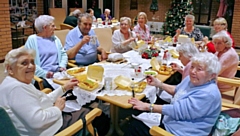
174 18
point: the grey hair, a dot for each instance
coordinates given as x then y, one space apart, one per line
223 35
213 66
76 12
188 50
13 55
144 15
189 16
126 18
107 10
86 15
43 20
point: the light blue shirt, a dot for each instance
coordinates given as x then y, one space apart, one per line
88 52
193 110
48 54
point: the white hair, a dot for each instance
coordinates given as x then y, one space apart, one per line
189 16
13 55
43 20
76 12
213 66
188 50
107 10
224 36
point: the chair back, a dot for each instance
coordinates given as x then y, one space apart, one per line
206 30
66 26
6 126
61 34
59 14
104 36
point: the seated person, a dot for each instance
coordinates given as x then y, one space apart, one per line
106 15
50 54
141 29
81 43
189 29
123 38
196 102
219 24
227 56
72 18
33 112
91 12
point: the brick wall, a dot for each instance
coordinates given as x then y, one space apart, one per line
236 23
5 31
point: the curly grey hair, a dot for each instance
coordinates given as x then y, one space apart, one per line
43 20
188 50
13 55
223 35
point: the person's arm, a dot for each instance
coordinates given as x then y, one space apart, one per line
72 50
63 58
103 53
117 43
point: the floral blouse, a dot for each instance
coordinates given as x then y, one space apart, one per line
145 35
196 34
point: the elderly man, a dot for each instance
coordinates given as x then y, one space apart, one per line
106 15
81 43
72 19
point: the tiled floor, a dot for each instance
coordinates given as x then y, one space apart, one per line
2 74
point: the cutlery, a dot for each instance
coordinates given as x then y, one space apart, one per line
141 80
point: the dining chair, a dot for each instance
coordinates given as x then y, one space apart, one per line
104 36
59 14
65 26
157 131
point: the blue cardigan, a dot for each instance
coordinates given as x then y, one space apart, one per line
31 43
193 110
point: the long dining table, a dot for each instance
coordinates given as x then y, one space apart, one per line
121 101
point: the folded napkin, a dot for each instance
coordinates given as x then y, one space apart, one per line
149 119
62 75
113 57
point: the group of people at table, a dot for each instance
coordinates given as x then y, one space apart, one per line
196 100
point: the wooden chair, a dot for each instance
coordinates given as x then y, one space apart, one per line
157 131
65 26
104 36
59 14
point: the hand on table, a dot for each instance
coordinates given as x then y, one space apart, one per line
62 69
104 55
139 105
49 74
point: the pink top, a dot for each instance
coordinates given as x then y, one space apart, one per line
186 70
229 61
145 35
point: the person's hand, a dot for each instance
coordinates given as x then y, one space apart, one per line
178 31
153 81
60 103
86 39
139 105
131 39
205 40
177 67
49 74
70 84
62 69
104 55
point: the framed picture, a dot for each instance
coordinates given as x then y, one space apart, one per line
133 4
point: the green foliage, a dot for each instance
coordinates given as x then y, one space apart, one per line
174 17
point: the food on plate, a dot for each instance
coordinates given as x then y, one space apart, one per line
152 73
74 71
165 70
86 83
140 87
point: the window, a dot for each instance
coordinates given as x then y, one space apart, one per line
202 11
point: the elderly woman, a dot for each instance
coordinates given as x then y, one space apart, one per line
72 19
189 29
196 103
141 29
91 12
227 56
33 112
50 54
220 24
106 15
123 39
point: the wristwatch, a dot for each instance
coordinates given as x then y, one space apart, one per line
151 107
